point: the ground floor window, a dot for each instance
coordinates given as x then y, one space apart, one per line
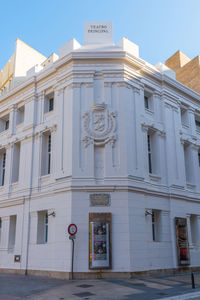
42 228
155 221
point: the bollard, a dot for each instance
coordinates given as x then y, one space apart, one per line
192 279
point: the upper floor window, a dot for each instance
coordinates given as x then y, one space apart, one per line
199 157
49 103
148 100
197 122
149 152
49 155
46 154
4 122
189 172
2 166
153 152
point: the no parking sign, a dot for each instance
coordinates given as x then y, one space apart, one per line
72 229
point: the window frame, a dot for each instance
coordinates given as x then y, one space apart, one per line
46 154
7 123
148 100
3 169
149 151
46 227
155 225
49 154
0 228
197 121
42 227
51 104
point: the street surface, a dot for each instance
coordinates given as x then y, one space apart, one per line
15 287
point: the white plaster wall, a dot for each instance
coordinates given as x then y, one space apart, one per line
120 230
56 254
126 178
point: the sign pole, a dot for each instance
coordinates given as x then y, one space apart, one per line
72 230
72 267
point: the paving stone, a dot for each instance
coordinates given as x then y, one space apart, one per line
145 288
85 285
8 297
165 281
84 294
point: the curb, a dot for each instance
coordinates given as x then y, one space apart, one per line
183 296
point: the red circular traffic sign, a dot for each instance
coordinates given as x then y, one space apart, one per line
72 229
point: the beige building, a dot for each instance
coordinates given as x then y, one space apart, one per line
15 70
187 70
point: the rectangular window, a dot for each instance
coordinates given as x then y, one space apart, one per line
199 157
42 228
195 230
146 102
4 123
51 104
16 162
3 168
0 228
46 154
155 220
46 227
153 152
49 155
12 231
189 172
149 153
153 225
197 122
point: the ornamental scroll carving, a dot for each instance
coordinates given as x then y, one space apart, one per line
99 126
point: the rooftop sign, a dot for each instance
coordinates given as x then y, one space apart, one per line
98 33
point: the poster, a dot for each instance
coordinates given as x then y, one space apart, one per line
99 241
182 241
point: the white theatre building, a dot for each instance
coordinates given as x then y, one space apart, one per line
97 137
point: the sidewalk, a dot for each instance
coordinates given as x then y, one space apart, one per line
15 287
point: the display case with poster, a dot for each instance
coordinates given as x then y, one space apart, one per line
100 240
182 241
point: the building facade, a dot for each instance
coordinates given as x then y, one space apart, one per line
99 138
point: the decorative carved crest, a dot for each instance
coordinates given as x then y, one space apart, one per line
99 126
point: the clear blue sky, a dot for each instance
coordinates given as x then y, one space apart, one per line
159 27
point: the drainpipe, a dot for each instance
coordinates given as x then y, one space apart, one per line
31 182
